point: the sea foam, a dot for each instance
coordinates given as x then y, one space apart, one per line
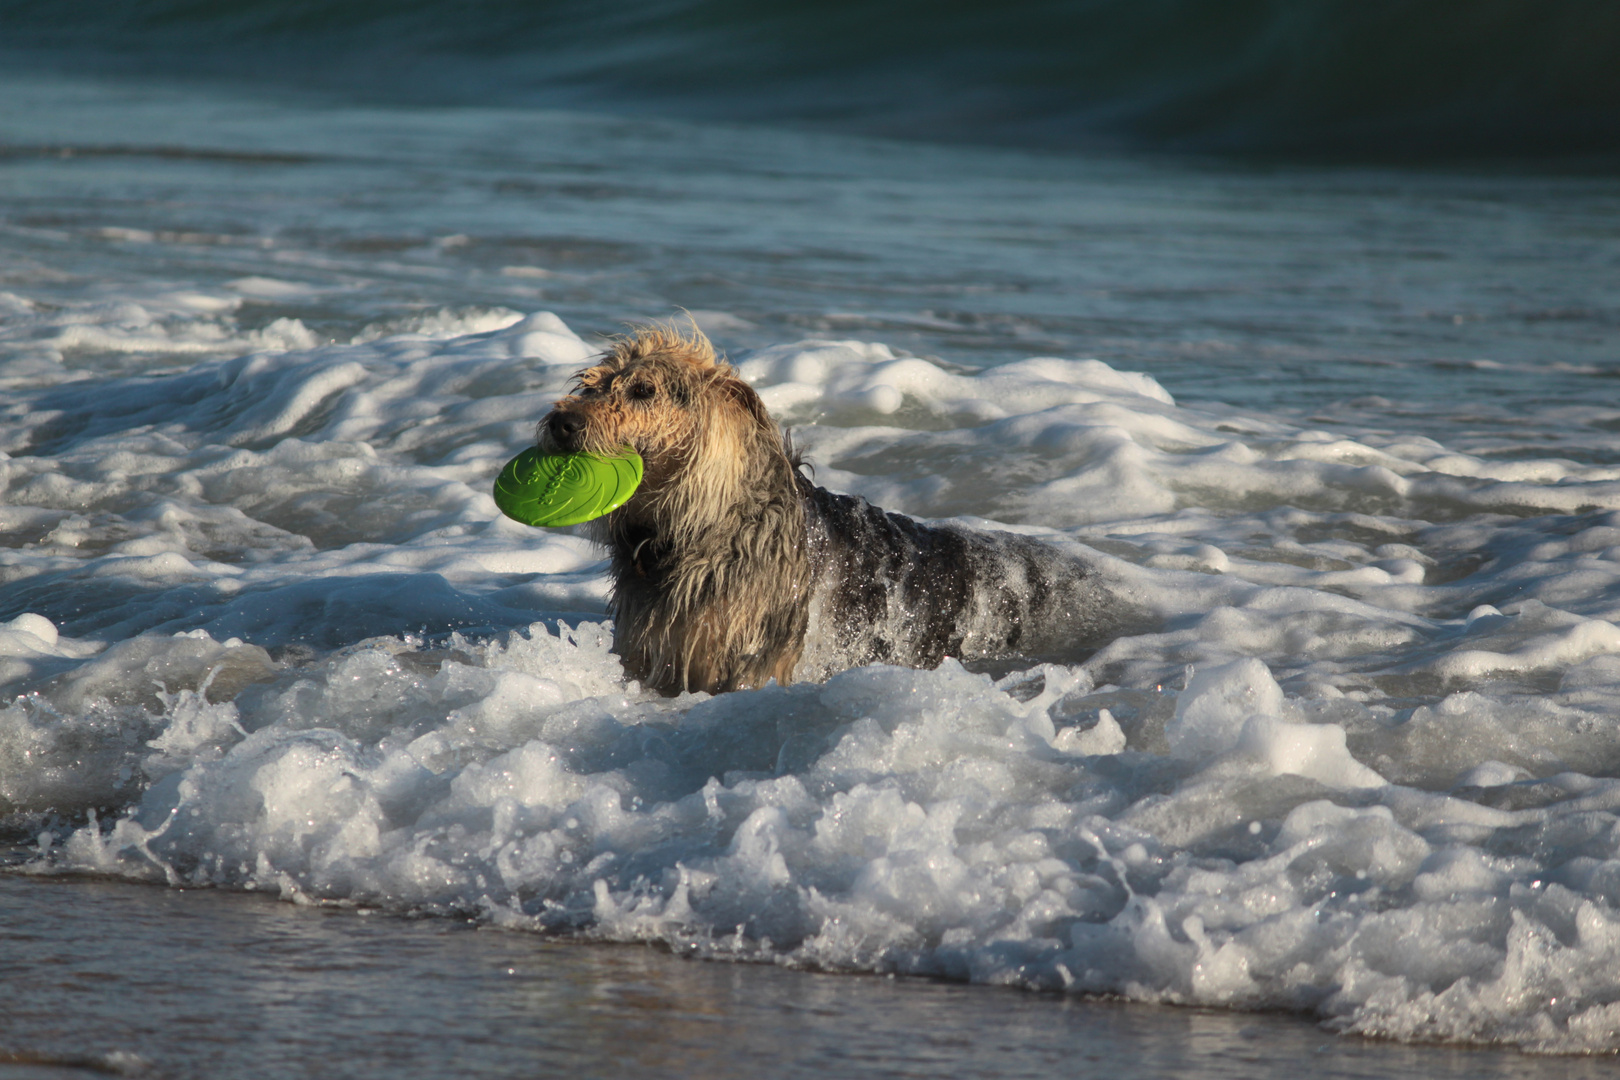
270 633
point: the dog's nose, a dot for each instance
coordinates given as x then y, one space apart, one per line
565 428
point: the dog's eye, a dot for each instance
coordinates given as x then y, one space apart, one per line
642 391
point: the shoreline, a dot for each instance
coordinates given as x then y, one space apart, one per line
129 979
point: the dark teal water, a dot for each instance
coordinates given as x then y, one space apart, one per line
1442 78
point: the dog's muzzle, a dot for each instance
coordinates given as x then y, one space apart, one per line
565 429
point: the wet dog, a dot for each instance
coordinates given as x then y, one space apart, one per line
730 568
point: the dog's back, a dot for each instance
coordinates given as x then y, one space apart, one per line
891 590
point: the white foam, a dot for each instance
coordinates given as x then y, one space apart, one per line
273 615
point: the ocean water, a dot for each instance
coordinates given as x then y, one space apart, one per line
1387 78
317 992
1349 435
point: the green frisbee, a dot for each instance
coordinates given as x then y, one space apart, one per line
553 490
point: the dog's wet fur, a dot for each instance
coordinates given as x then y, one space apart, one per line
731 568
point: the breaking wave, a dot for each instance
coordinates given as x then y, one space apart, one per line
1458 77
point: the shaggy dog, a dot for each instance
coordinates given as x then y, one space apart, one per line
730 568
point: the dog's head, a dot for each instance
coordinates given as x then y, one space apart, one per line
695 423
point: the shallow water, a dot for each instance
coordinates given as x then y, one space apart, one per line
1346 437
130 980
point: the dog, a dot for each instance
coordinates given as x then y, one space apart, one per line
731 568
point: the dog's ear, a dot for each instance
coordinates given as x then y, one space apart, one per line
743 395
